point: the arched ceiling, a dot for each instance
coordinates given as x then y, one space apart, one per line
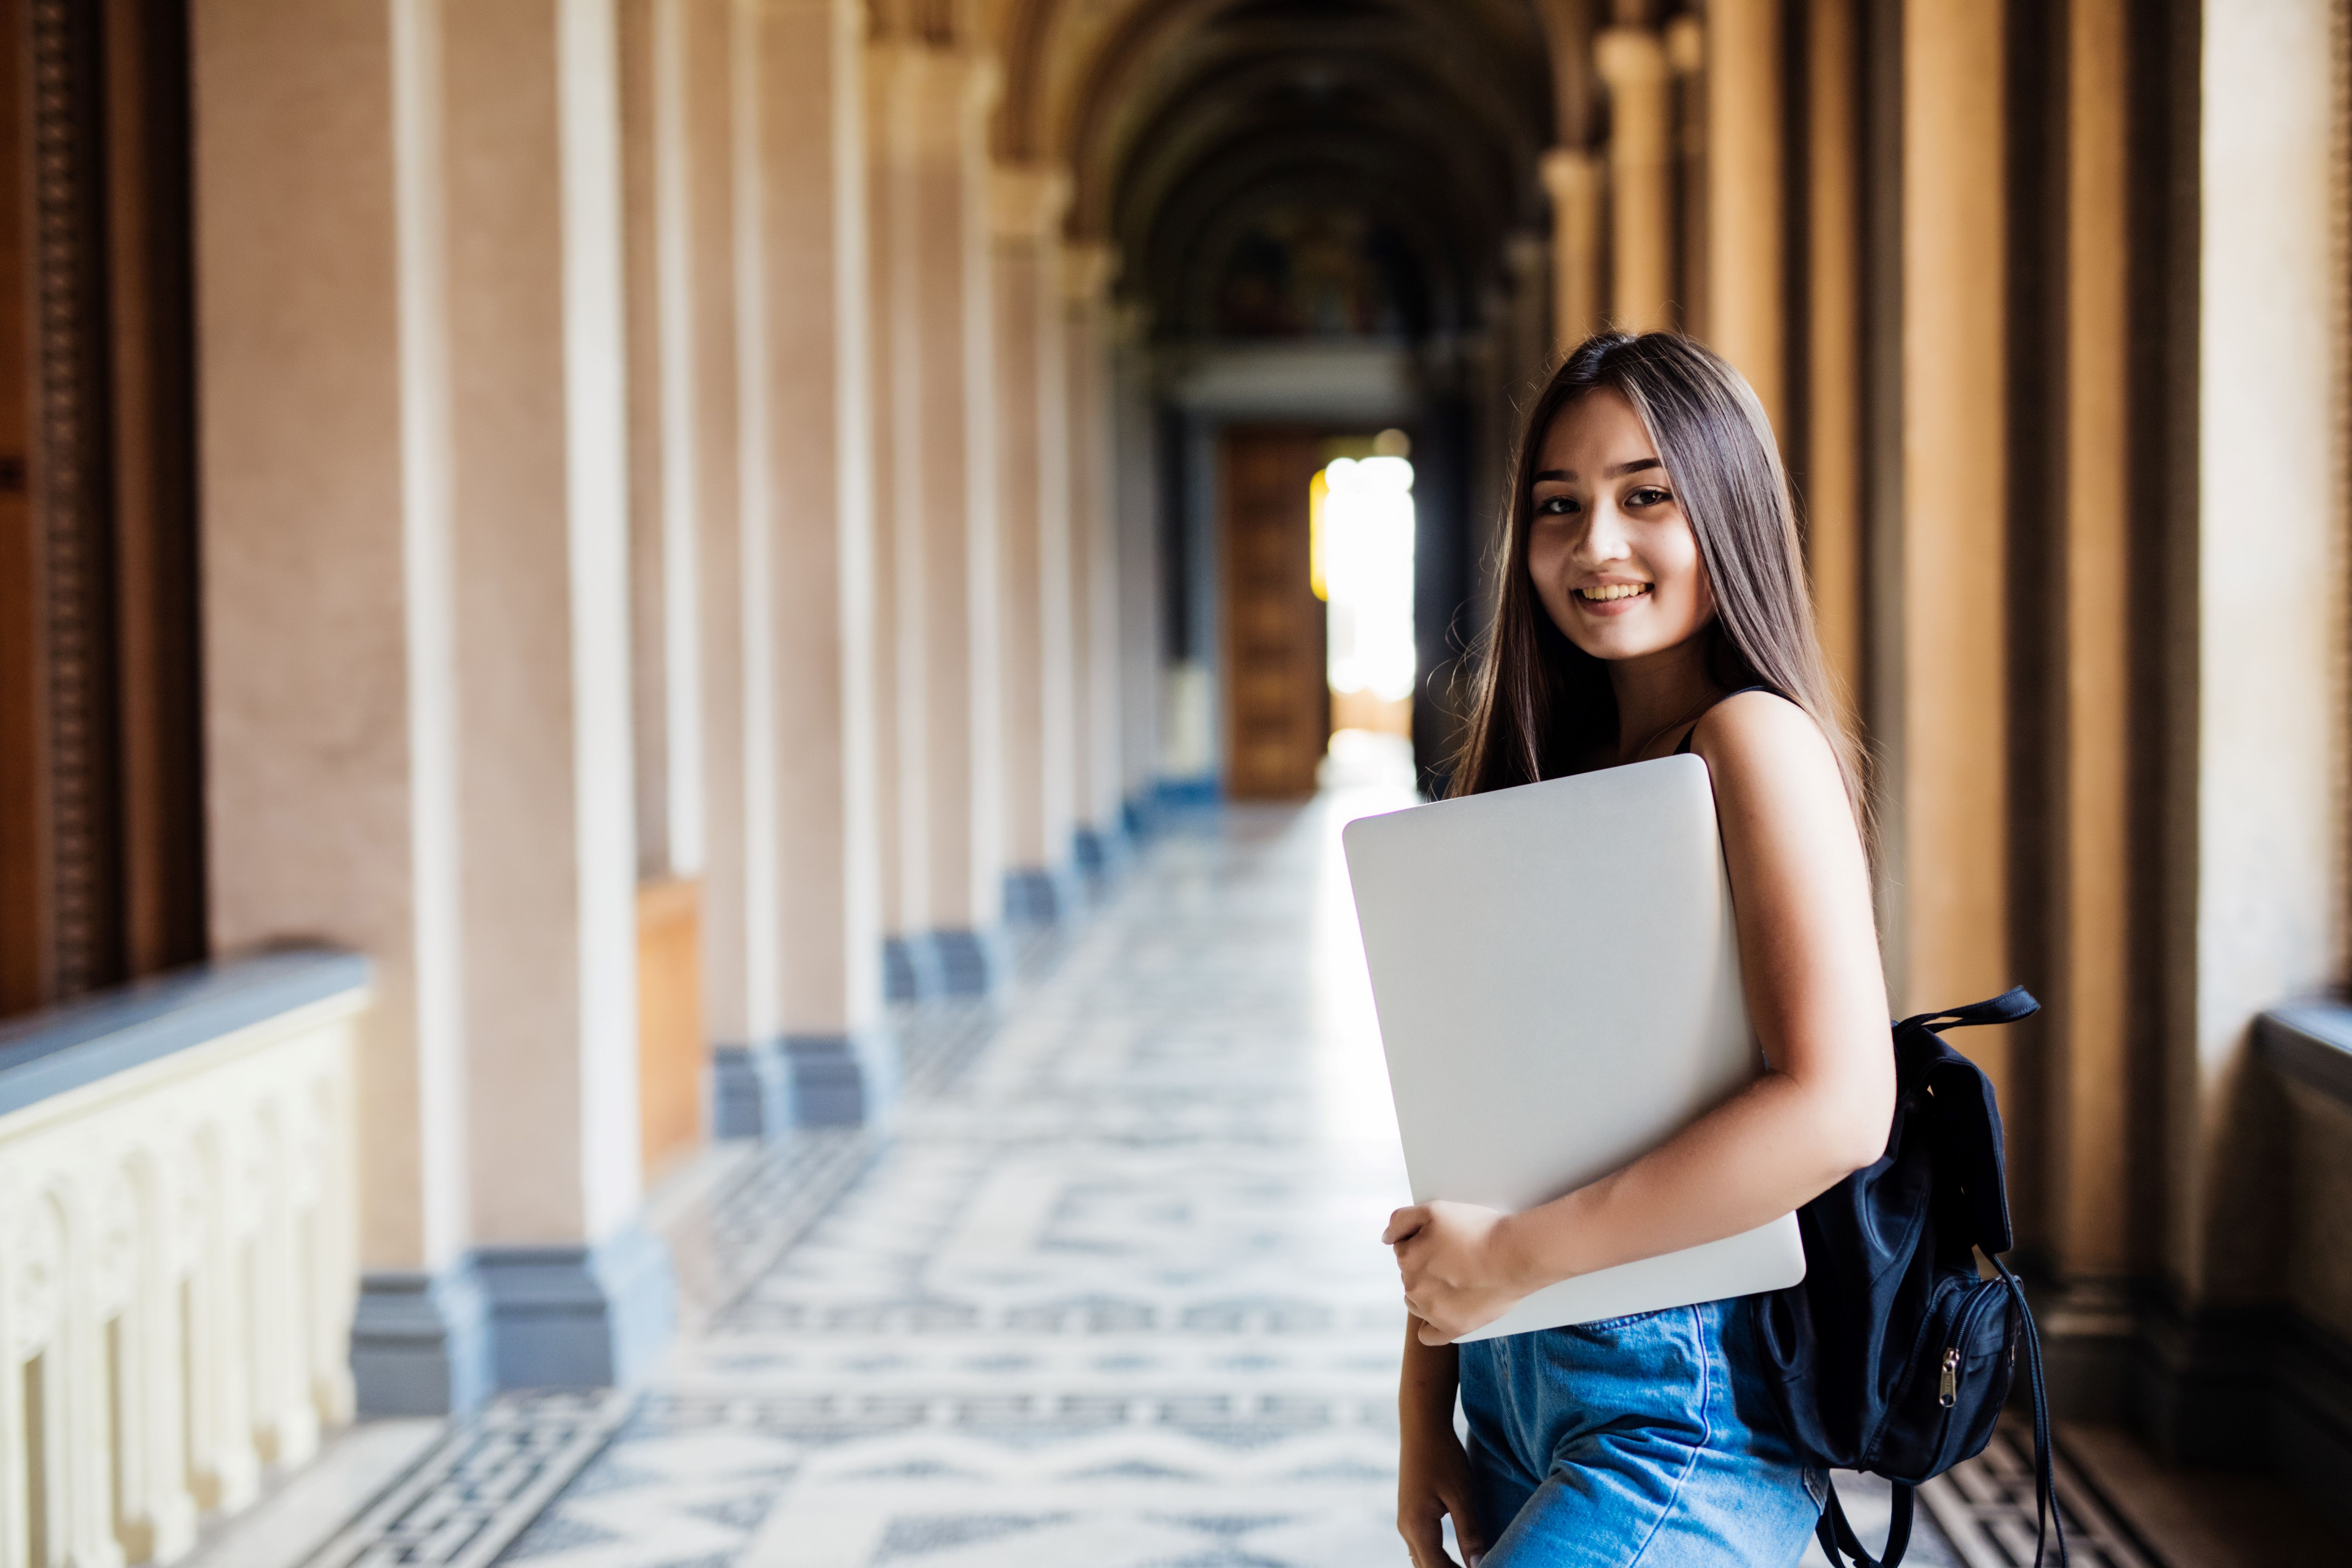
1188 124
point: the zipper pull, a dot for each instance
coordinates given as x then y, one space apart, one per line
1948 1388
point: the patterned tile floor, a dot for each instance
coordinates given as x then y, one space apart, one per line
1108 1295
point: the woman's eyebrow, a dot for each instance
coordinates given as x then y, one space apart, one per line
1568 476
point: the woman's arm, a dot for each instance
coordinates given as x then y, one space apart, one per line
1817 1000
1432 1472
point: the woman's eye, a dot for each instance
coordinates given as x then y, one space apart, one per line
1648 495
1556 506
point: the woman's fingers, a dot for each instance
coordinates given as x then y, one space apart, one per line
1404 1223
1423 1540
1467 1534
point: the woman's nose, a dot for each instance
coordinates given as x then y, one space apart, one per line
1605 537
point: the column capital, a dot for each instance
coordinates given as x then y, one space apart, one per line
1687 45
1628 58
1567 173
1027 201
957 89
1089 266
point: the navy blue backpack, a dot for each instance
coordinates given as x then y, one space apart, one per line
1894 1356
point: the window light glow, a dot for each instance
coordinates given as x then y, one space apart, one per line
1362 519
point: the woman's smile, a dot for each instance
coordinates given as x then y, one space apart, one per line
1611 598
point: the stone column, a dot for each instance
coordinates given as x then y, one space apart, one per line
1746 293
1947 813
1141 637
1685 43
1572 177
693 62
539 488
954 353
664 473
1027 205
909 969
1527 263
1641 177
330 694
1089 267
1832 284
811 472
2091 1094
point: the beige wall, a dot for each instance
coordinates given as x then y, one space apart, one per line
2270 696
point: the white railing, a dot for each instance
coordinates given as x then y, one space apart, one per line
177 1254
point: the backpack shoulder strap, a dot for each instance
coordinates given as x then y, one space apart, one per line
2008 1007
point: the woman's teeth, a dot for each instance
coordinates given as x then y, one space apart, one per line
1613 591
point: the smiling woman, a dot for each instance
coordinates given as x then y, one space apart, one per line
1654 600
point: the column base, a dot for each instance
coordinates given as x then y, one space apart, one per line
974 963
751 1091
1042 894
843 1080
1188 794
912 970
1103 852
578 1316
420 1343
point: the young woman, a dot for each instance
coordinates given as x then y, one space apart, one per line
1654 600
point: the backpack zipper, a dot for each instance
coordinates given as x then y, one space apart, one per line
1948 1383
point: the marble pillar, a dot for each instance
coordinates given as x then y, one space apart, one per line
1744 259
809 418
2090 1089
954 370
665 471
910 970
330 719
1685 45
1632 62
1946 816
578 1292
1572 178
693 61
1832 286
1027 204
1140 601
1089 267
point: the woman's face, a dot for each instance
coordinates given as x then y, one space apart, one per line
1613 559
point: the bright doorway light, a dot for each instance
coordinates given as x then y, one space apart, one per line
1362 513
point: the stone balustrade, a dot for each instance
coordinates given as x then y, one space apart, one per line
177 1252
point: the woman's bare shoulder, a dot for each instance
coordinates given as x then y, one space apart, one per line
1761 742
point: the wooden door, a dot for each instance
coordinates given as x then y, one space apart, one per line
101 821
1277 696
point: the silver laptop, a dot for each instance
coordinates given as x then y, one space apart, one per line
1557 975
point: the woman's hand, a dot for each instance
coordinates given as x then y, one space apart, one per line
1460 1269
1433 1480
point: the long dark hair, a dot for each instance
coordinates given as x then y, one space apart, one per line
1542 706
